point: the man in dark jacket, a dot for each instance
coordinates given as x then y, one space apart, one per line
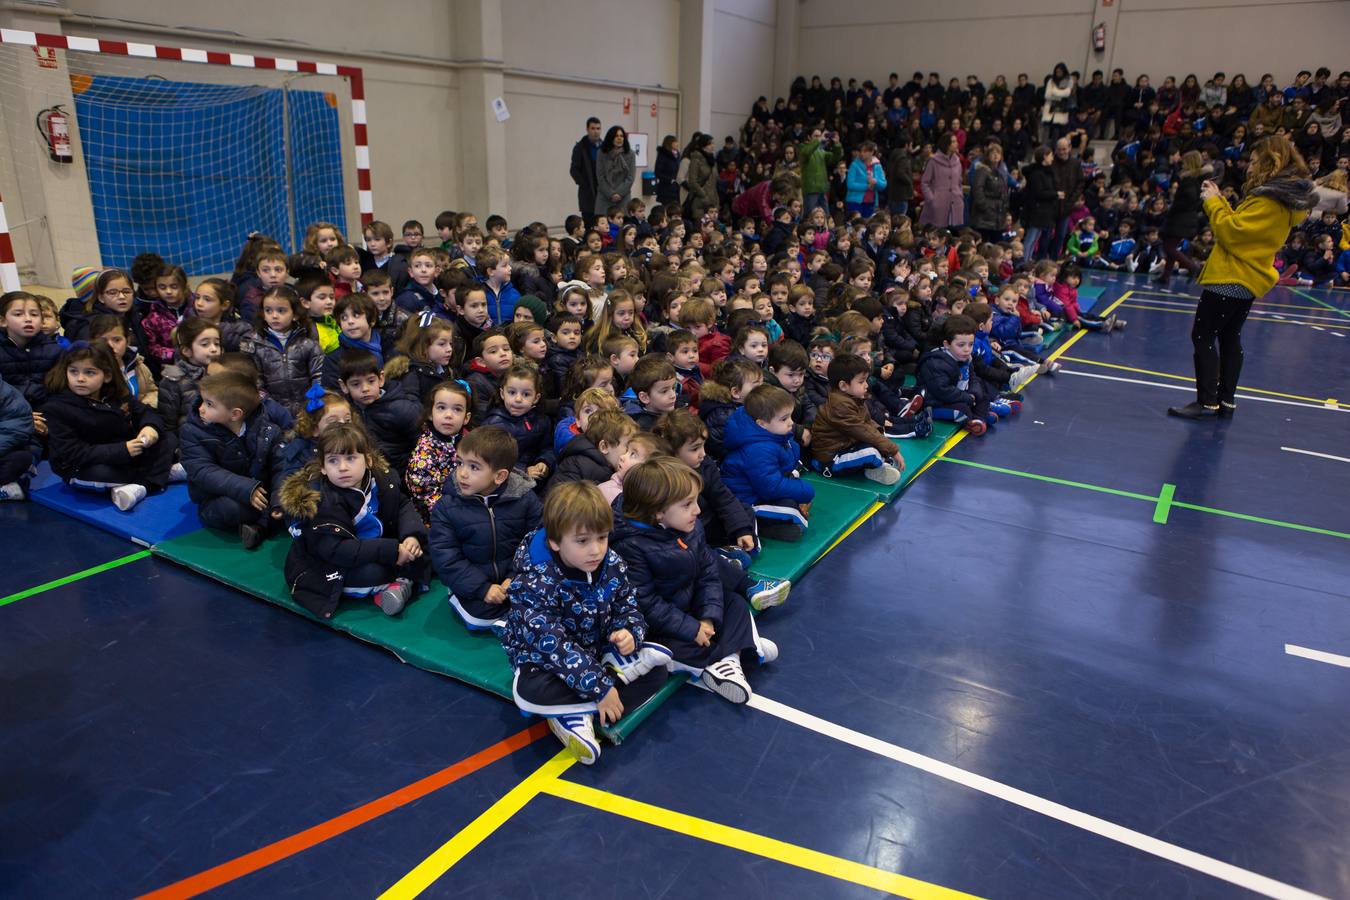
900 177
1068 175
233 457
584 154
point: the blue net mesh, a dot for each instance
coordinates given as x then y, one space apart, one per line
188 170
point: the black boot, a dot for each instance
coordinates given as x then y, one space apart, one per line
1226 410
1194 410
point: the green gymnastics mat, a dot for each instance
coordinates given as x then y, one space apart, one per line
428 634
835 508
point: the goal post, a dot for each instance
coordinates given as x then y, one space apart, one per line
118 147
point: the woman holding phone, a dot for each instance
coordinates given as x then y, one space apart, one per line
1277 196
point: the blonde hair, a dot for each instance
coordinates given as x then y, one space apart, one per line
1191 163
1273 157
651 487
1337 181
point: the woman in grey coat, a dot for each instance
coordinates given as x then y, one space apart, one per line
615 168
989 194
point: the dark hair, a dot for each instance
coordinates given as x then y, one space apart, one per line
957 325
493 445
482 339
353 363
767 400
526 371
299 315
607 144
678 427
234 390
361 303
592 121
846 367
348 437
788 354
115 389
648 371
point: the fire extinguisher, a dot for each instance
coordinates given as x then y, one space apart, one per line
1099 38
52 125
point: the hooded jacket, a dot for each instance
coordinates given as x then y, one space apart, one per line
83 432
724 517
674 575
474 538
945 381
220 463
326 545
1246 239
16 422
25 367
560 618
533 432
715 406
580 460
289 369
760 467
178 392
392 420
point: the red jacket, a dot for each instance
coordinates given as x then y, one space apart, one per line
713 347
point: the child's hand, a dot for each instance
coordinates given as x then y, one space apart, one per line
746 542
537 471
705 633
409 549
495 595
806 437
135 447
40 424
610 708
148 436
258 500
276 514
898 461
623 641
806 510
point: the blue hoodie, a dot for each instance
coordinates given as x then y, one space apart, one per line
760 466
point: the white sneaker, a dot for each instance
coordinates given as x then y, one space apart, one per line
633 666
725 677
13 491
883 474
125 496
177 474
767 649
577 733
1021 376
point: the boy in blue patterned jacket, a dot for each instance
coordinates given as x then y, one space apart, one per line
574 633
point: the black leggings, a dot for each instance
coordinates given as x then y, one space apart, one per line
1218 318
1174 255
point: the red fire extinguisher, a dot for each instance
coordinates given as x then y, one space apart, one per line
52 125
1099 38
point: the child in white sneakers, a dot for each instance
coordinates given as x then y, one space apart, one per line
706 626
574 633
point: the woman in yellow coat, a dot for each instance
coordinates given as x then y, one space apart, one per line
1277 196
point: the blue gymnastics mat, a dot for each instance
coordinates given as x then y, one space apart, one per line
156 518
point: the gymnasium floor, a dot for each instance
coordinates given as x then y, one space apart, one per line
1058 666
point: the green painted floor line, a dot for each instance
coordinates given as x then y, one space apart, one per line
1157 501
1164 503
1047 478
86 573
1322 303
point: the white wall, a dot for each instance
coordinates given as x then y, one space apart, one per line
742 65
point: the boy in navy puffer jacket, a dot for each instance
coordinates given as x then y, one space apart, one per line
947 381
761 461
484 513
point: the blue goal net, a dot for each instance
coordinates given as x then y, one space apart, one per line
188 170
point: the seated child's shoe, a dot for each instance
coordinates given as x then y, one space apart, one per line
13 491
736 556
250 536
767 650
1013 395
498 628
1022 375
899 430
912 408
883 474
394 597
177 474
577 733
1120 323
630 668
923 423
768 592
1111 323
1014 406
976 427
991 419
726 678
125 496
1000 408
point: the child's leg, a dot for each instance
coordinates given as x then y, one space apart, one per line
782 522
226 514
14 466
859 456
545 694
958 414
154 464
478 615
366 580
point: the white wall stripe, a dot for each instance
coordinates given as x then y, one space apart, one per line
366 203
362 156
287 65
192 54
359 112
16 36
144 50
326 68
1215 868
83 44
1334 659
4 222
9 276
244 60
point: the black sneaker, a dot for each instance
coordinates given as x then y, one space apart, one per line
1193 410
250 536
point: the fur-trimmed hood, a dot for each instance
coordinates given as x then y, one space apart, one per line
1295 193
301 493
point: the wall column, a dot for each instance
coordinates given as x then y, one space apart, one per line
477 45
785 47
696 42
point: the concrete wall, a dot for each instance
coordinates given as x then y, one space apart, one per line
744 32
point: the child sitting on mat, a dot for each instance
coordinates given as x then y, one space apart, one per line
356 535
483 514
706 626
574 634
844 436
233 456
761 463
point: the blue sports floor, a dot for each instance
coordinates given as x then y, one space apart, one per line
1099 652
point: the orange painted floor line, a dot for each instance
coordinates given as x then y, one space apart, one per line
297 843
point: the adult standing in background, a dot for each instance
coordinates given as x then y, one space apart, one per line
1068 173
584 154
817 158
989 194
1183 217
1241 267
701 180
667 170
1055 110
943 203
615 169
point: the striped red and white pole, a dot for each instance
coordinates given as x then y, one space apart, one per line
9 267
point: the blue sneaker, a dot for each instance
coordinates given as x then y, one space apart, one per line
577 733
768 592
923 422
736 556
630 668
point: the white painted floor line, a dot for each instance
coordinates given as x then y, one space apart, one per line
1315 316
1190 390
1315 453
1334 659
1223 871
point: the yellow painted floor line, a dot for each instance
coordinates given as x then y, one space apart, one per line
452 851
871 511
1191 380
749 842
